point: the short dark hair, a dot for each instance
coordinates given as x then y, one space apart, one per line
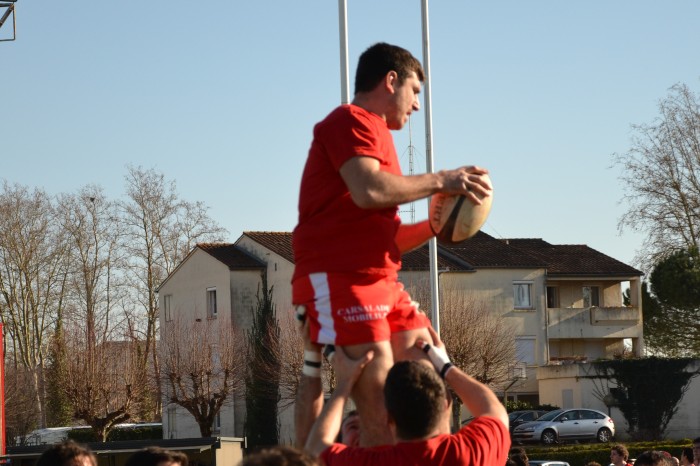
279 456
653 458
688 453
414 396
593 463
64 454
518 456
381 58
151 456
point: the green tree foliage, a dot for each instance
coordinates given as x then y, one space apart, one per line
672 310
649 390
262 381
676 280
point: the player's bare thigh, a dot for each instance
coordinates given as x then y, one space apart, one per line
368 393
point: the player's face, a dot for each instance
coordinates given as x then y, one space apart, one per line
350 431
404 101
615 457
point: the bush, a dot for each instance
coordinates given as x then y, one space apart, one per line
137 432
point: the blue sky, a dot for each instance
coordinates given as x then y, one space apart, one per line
221 96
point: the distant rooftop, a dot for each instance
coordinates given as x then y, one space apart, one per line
481 251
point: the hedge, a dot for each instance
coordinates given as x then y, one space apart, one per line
125 433
581 454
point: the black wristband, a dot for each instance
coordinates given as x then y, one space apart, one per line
444 370
312 363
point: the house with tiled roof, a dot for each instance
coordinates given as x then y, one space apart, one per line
564 302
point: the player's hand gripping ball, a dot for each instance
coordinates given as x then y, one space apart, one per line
454 218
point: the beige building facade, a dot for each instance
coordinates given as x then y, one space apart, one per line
564 303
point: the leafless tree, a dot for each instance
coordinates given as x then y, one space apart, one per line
203 364
104 382
103 386
661 176
20 403
90 222
160 230
33 275
478 340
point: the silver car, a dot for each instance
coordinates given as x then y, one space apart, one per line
547 463
567 424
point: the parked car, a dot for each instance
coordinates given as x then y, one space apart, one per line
547 463
567 424
519 417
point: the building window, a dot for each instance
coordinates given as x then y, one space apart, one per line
211 303
525 350
591 296
522 295
172 422
552 297
217 422
167 307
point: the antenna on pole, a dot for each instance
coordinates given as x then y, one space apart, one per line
412 206
7 9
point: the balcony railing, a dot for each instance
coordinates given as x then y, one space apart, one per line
594 322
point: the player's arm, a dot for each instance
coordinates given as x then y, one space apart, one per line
479 399
372 188
326 428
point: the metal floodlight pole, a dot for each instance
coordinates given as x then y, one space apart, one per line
344 73
432 244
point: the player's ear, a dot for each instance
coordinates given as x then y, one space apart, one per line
391 80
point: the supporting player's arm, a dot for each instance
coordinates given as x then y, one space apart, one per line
327 426
479 399
372 188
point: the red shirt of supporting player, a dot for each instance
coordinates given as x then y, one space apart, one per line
334 234
485 441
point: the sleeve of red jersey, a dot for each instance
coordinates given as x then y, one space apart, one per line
352 135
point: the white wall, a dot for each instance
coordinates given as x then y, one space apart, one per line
555 380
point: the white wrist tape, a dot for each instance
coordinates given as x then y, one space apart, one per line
439 358
312 364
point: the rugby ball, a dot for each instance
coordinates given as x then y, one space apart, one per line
454 218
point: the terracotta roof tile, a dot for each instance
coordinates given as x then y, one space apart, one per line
280 242
231 255
572 259
485 251
419 259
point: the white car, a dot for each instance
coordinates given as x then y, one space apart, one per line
547 463
567 424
